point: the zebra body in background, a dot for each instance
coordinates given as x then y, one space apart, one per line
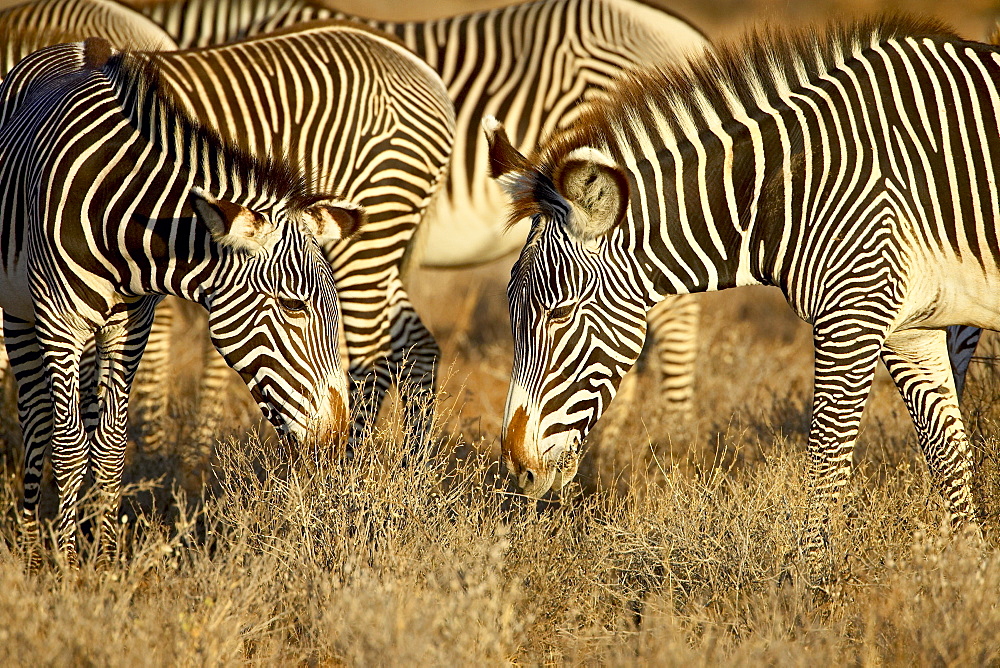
110 198
34 25
369 121
496 63
855 171
194 24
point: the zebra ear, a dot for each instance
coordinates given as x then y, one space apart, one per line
507 165
231 225
504 158
333 219
596 189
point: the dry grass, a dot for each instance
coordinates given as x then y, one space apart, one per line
678 547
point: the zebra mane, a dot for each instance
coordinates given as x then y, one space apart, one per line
155 112
733 80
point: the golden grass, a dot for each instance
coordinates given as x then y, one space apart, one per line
678 547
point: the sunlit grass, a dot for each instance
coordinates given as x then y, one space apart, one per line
678 546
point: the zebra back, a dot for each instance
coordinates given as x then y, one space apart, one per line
198 23
534 66
28 27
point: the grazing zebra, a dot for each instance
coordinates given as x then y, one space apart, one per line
497 62
853 170
110 198
368 120
28 27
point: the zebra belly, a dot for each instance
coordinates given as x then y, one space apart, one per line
953 292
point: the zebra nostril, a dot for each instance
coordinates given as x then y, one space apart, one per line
527 478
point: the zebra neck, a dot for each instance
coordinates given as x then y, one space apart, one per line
168 250
172 256
194 151
693 219
719 204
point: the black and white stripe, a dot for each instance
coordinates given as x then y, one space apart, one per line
111 198
199 23
31 26
852 170
530 65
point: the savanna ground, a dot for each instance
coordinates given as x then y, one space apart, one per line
677 546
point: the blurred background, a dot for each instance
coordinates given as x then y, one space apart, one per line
722 19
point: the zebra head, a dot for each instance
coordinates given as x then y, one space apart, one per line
273 310
578 326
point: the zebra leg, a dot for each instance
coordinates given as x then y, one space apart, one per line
365 346
120 347
673 326
153 379
368 386
962 342
672 337
34 408
61 352
918 362
846 354
413 361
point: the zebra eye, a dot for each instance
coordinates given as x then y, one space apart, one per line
561 314
293 307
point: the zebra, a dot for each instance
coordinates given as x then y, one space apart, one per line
370 121
33 25
110 198
195 24
851 169
30 26
494 62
